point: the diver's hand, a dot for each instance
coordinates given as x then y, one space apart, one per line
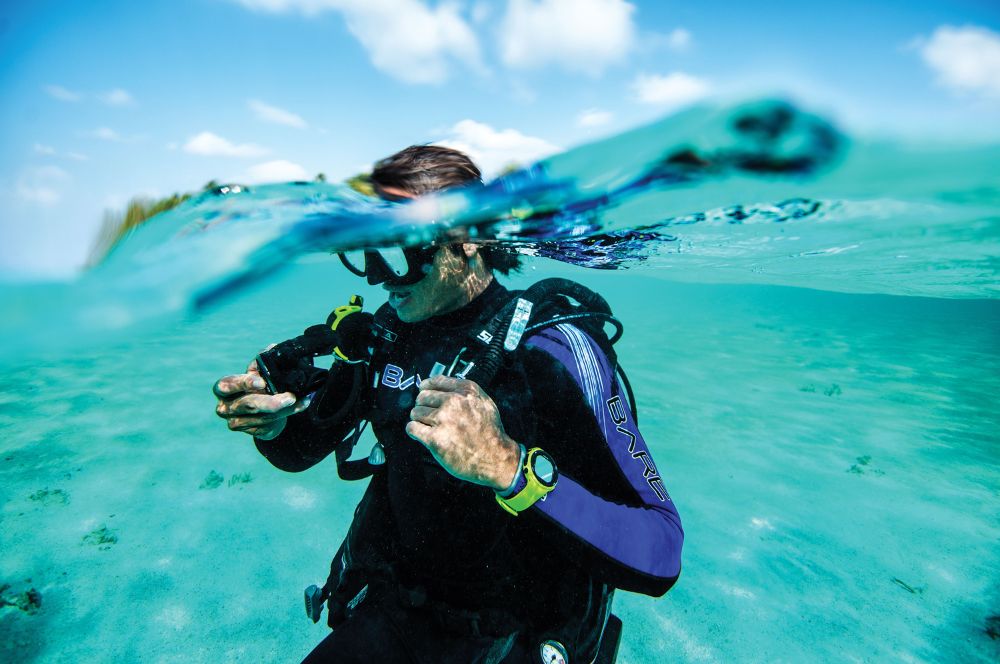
460 425
246 405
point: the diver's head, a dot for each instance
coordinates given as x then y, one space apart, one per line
422 169
427 281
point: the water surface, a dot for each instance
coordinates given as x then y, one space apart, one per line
815 355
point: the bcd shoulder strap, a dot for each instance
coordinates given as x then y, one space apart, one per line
545 304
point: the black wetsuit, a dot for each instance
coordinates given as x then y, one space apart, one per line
608 523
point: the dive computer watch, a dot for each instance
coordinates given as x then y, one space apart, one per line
535 479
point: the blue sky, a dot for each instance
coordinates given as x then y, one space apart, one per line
107 100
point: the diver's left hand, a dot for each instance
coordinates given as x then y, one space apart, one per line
460 425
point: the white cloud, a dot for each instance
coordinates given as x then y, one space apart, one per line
61 93
671 91
410 41
579 35
679 39
593 117
493 150
40 194
208 144
49 151
481 12
404 38
42 185
269 113
117 97
279 170
965 59
112 136
107 134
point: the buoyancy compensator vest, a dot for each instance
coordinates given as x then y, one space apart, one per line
495 337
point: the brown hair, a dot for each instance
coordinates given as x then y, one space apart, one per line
421 169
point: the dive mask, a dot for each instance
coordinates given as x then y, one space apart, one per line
395 266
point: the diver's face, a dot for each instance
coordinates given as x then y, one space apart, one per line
444 289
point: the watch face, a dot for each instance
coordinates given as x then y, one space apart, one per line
544 468
552 652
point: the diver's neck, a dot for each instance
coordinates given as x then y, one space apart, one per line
473 285
478 283
477 278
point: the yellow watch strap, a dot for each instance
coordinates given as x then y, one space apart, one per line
533 490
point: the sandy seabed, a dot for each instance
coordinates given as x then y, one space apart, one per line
835 460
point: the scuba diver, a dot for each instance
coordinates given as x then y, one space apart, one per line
511 492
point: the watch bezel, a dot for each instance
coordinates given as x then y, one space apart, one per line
532 459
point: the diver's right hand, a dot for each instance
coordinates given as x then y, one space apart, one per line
246 405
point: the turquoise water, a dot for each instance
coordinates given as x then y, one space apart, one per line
835 456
